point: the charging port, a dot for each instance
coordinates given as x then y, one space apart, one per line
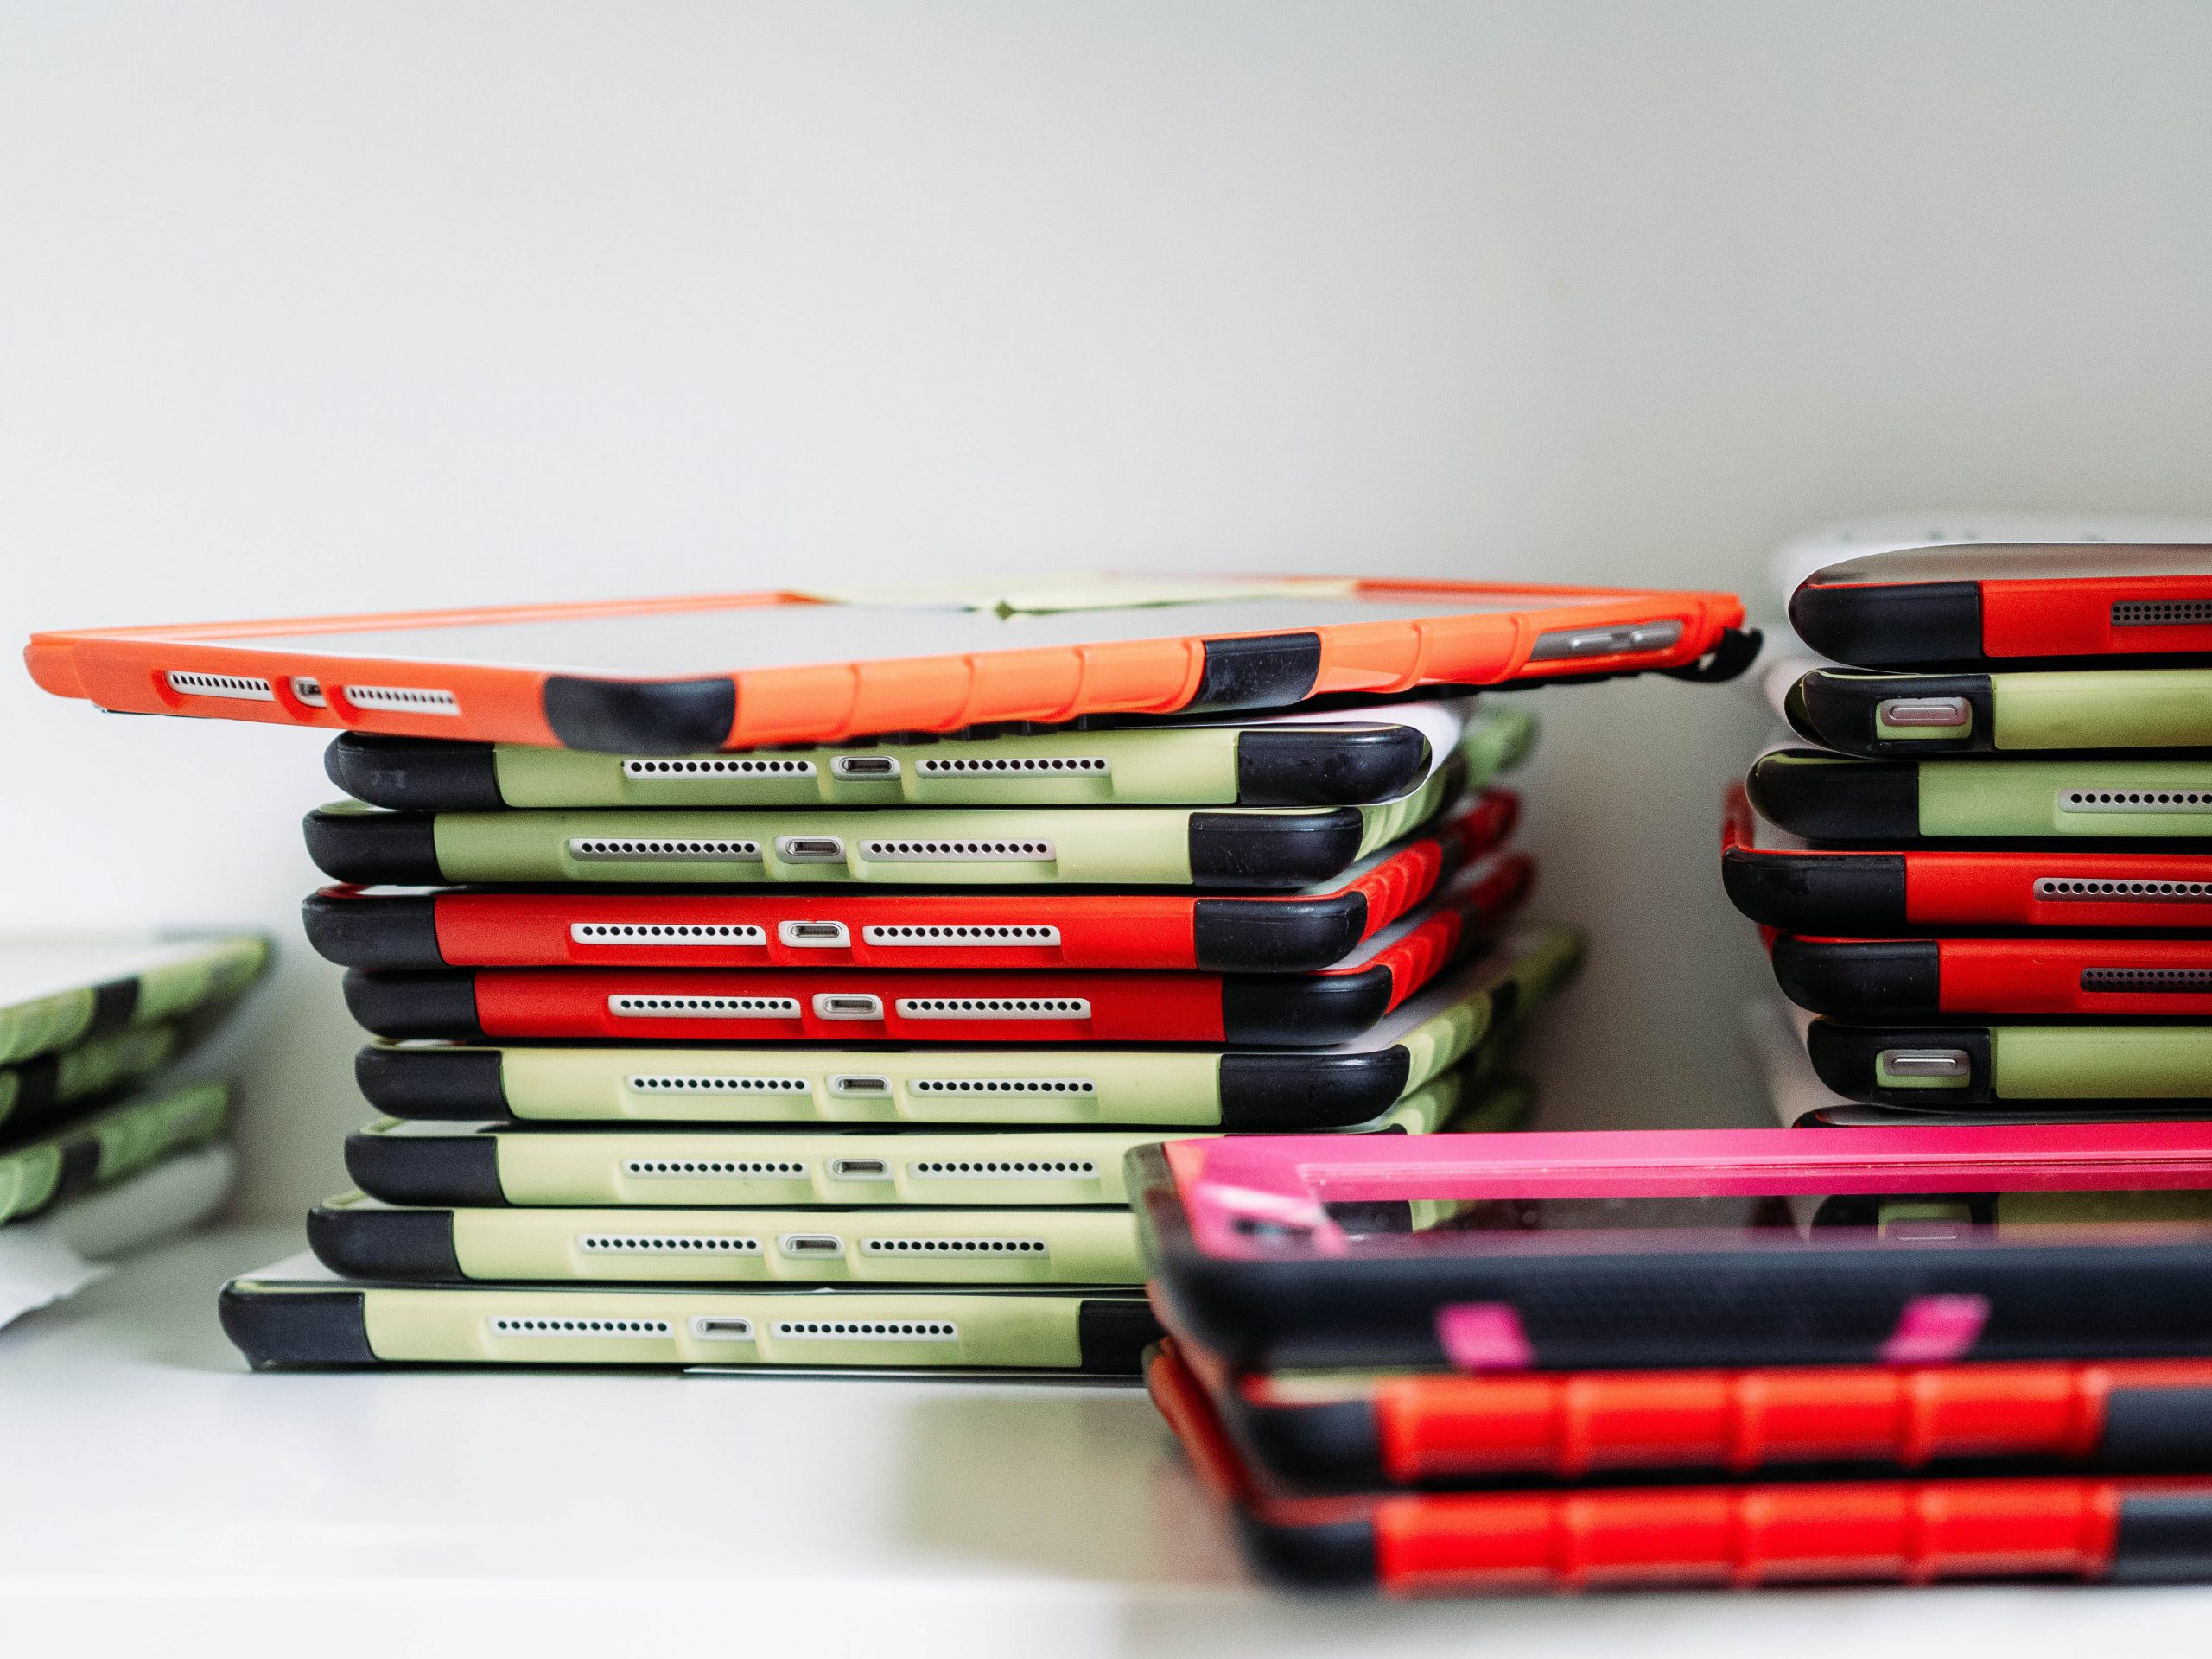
708 1328
811 850
848 1006
860 1082
864 765
859 1169
811 1244
814 935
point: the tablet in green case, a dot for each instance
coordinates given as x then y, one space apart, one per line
1911 715
363 1239
1955 1066
1234 847
57 990
1829 798
1334 759
293 1315
107 1146
52 1086
1074 1086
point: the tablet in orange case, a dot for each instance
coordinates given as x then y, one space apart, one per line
675 676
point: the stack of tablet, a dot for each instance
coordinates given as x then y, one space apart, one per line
1552 1362
102 1148
1994 881
679 1058
780 978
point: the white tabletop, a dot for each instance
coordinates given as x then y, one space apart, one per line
153 1491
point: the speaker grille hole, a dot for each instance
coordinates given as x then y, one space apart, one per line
2090 889
408 699
641 849
671 1084
867 1330
1005 1169
994 1008
953 1247
2136 800
1003 1086
665 1245
704 1008
697 933
1038 766
684 1169
958 933
2175 981
720 765
961 852
2160 612
582 1324
243 687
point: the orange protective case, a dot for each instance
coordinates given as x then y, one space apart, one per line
1527 633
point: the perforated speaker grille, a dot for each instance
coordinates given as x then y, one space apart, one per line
2160 612
2135 800
2087 888
959 933
579 1324
961 852
242 688
676 1084
719 766
867 1330
688 1169
664 1244
1003 1086
953 1247
2173 980
674 933
1039 766
994 1008
704 1008
643 849
408 699
1004 1169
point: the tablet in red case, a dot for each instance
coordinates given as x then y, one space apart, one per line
1778 881
1883 979
738 670
1644 1537
1970 605
954 1005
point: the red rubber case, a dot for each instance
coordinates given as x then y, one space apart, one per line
1048 927
593 676
1636 1538
1879 978
954 1005
1980 605
1415 1430
1828 890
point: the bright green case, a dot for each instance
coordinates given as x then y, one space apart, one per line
2093 1062
108 1146
1194 765
173 979
1038 1330
949 847
2092 798
1062 1246
1072 1086
52 1081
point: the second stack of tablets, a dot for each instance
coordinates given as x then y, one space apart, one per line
1342 968
1998 900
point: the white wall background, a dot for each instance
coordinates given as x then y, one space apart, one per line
315 307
